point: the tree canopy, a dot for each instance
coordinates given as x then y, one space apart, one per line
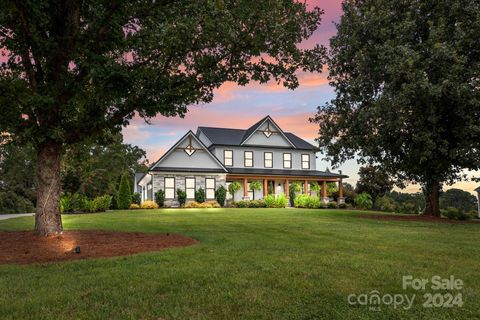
374 181
406 78
76 69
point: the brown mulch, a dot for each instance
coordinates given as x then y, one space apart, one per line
391 217
24 247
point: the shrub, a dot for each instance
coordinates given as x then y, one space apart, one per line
10 202
385 203
306 201
149 205
102 203
181 197
136 198
200 195
275 202
124 195
364 201
256 204
407 208
233 188
221 195
455 214
160 198
342 205
204 205
134 206
241 204
332 205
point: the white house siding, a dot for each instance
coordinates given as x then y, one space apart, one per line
159 182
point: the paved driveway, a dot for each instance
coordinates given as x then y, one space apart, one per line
16 215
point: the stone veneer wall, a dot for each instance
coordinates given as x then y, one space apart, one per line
159 182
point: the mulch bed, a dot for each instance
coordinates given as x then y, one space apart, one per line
391 217
24 247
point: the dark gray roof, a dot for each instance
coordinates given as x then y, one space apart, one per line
234 137
282 172
253 128
181 169
478 189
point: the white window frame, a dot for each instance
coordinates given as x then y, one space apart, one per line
266 161
209 190
305 163
228 163
190 189
289 161
168 189
248 162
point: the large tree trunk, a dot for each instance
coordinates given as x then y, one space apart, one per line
48 220
432 199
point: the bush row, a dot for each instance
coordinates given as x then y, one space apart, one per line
270 201
76 203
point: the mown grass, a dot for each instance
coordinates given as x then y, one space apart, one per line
250 264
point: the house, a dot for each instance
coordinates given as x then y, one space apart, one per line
478 200
218 156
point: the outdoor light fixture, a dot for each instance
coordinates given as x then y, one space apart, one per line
77 249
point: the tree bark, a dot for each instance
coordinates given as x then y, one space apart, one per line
48 220
432 199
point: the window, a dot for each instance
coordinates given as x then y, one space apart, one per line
287 160
210 188
305 161
248 159
228 157
190 188
268 159
250 193
169 188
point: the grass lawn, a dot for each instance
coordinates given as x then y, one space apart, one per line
250 264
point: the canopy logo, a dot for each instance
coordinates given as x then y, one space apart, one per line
446 294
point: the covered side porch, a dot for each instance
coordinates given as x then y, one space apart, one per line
280 184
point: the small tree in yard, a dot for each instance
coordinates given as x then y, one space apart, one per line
76 70
233 188
200 195
181 197
160 198
124 194
255 185
221 195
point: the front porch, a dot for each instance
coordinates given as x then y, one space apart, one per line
278 185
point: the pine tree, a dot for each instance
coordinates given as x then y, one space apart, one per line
124 196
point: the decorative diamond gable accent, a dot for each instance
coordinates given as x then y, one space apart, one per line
189 150
268 132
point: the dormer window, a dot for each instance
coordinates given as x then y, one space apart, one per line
189 149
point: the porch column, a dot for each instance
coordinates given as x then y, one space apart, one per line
245 189
324 192
341 199
287 188
265 187
305 187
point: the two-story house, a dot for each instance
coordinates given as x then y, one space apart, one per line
218 156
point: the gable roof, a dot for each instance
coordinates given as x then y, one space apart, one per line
235 137
180 141
478 189
250 131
